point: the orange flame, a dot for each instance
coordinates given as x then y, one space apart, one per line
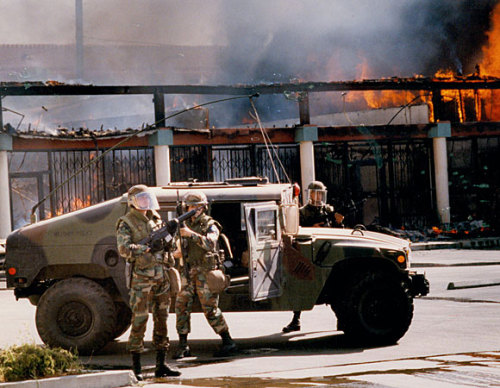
490 66
74 204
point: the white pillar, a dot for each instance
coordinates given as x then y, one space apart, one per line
162 164
306 136
5 224
439 133
161 141
307 171
441 174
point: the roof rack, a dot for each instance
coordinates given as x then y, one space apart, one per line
248 181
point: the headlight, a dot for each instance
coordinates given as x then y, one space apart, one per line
399 257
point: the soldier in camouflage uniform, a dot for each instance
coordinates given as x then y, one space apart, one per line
200 254
149 286
316 213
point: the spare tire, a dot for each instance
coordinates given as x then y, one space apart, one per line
76 314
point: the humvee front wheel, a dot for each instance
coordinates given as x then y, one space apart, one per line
76 313
379 310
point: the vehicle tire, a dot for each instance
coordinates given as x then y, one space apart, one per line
379 310
123 319
77 314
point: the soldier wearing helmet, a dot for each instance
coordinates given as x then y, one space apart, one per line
316 213
149 285
199 237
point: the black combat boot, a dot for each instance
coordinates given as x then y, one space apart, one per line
294 325
183 349
162 369
136 366
228 347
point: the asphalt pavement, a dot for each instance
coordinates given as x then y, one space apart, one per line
421 260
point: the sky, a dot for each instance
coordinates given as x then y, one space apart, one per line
273 38
263 41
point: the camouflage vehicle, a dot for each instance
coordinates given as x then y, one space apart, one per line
2 254
68 266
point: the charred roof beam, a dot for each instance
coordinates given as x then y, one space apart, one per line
49 88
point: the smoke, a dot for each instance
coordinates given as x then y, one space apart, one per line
323 40
241 41
332 40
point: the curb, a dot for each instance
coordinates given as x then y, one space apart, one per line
461 285
108 379
486 242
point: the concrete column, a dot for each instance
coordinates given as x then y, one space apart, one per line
162 164
5 216
439 134
161 141
305 136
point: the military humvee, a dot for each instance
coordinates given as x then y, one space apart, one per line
68 266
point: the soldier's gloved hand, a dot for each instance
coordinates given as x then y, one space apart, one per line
156 246
172 226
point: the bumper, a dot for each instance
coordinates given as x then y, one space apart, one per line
419 285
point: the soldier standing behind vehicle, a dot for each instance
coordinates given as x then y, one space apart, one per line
200 255
149 286
316 213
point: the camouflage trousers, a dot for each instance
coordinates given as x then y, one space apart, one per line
197 286
148 294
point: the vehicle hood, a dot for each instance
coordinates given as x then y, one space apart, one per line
355 237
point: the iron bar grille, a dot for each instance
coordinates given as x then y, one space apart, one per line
108 178
217 163
388 183
474 179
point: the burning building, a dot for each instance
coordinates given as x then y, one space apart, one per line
370 140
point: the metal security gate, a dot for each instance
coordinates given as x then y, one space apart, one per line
217 163
388 183
34 174
474 175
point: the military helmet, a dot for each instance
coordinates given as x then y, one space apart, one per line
316 193
316 185
194 198
140 198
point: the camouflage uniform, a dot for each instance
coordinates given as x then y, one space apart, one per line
201 256
149 289
315 213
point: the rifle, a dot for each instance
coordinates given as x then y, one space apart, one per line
168 230
185 264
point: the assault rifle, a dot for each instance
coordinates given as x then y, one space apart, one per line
168 230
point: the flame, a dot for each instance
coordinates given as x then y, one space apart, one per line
377 99
74 204
460 105
490 66
491 54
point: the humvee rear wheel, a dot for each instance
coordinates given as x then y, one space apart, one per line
379 311
76 313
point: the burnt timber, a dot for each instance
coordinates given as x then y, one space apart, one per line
426 84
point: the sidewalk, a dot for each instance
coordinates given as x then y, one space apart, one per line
476 243
121 378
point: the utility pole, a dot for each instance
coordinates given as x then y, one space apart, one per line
79 38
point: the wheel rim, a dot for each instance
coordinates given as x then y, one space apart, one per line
74 319
378 310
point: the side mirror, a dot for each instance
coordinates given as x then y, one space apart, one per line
291 218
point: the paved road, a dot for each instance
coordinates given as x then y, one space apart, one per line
453 340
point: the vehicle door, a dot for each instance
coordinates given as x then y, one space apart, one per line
264 243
